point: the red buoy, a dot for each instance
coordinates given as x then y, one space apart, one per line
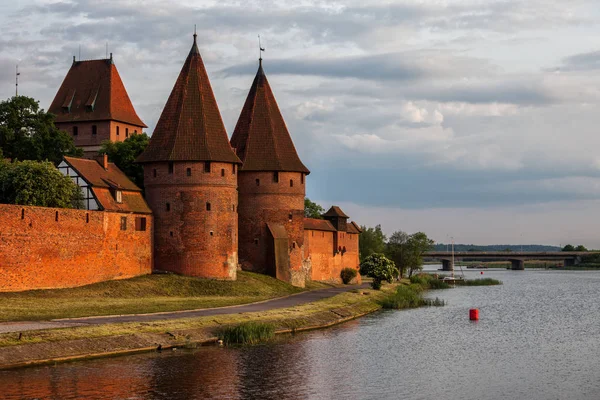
481 272
474 314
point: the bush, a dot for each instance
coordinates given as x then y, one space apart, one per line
247 333
380 268
429 281
348 274
482 282
409 297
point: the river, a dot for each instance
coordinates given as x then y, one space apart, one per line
538 337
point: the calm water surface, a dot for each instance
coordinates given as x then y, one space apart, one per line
538 338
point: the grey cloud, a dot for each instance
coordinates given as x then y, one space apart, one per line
581 62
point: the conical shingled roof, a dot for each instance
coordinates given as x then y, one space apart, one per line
261 138
190 127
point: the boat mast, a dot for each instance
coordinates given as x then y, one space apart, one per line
452 269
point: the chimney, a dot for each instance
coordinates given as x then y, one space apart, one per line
102 159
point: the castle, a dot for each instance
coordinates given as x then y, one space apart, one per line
216 205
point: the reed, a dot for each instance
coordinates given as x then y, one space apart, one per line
409 297
247 333
480 282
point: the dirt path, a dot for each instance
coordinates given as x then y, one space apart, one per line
283 302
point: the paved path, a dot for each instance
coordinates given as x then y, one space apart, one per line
283 302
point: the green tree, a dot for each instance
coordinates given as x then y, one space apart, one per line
27 132
580 248
380 268
396 249
370 241
36 183
312 210
418 243
123 154
568 247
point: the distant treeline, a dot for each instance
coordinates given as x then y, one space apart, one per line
496 247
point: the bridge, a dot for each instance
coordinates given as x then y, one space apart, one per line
517 259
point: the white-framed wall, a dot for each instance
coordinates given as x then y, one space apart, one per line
89 201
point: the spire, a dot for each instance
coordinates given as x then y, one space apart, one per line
190 127
261 138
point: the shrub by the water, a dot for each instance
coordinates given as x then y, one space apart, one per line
348 274
429 281
247 333
482 282
409 297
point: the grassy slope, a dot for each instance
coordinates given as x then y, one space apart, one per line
145 294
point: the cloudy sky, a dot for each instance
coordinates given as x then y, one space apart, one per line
472 119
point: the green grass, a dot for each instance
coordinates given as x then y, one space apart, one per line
480 282
409 296
144 294
247 333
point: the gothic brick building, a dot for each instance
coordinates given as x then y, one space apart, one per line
93 106
190 177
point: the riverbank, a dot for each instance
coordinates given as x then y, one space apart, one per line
18 349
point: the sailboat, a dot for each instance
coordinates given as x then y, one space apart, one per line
453 279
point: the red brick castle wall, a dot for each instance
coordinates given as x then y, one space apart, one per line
190 239
57 248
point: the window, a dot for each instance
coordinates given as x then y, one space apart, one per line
233 208
170 167
207 166
258 182
117 130
290 216
123 223
75 131
212 233
56 216
302 179
140 223
22 213
126 132
119 196
188 172
291 183
207 206
168 206
256 241
94 129
171 233
222 172
276 177
154 172
87 218
233 169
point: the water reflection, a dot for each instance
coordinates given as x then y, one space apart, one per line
538 338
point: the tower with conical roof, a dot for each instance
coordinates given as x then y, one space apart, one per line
190 178
271 188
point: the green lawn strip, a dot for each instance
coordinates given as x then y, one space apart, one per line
144 294
310 315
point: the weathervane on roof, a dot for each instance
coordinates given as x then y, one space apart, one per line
260 50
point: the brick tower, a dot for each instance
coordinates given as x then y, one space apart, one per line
190 176
271 189
92 105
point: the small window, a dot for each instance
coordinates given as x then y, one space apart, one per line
233 208
222 172
207 206
290 216
233 169
126 132
168 206
140 224
256 241
154 172
171 233
123 223
212 233
170 167
207 166
302 179
276 177
87 218
188 172
22 213
56 216
291 183
94 129
135 132
118 131
258 182
119 196
75 131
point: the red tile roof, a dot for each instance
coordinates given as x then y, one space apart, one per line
93 91
190 127
335 211
132 201
353 228
318 225
261 138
